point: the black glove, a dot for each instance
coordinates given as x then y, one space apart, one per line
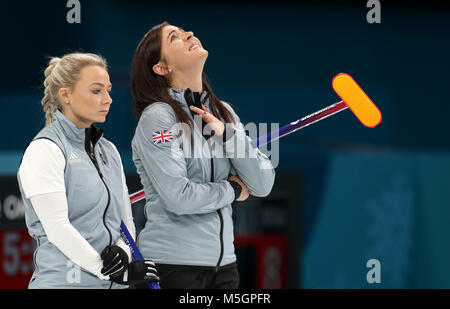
138 272
115 261
236 187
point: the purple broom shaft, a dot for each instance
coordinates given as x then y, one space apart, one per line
300 124
126 236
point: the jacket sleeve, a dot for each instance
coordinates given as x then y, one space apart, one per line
252 166
165 165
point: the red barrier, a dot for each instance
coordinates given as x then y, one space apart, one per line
271 258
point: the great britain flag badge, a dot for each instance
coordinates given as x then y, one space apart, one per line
162 136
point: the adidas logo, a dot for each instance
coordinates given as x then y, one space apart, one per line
73 157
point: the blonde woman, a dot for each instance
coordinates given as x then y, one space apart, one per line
73 186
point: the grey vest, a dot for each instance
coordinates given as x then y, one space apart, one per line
94 195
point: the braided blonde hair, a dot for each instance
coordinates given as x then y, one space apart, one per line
64 72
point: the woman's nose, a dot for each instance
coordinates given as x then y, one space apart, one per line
108 99
189 35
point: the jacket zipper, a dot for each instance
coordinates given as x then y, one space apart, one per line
94 160
219 212
189 101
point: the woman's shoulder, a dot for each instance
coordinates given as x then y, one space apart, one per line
108 142
158 108
42 145
158 111
111 146
230 108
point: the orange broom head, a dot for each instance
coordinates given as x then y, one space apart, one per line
357 100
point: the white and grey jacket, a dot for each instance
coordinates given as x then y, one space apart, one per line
188 198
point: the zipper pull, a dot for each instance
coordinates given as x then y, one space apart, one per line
103 160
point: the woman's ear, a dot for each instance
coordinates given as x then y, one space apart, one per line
161 69
64 95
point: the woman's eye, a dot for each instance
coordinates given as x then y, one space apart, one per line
97 91
172 37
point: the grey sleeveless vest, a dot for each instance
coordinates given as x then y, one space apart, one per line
94 193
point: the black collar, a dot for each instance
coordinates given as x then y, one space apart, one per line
193 98
93 134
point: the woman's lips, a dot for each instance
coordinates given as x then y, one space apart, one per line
194 46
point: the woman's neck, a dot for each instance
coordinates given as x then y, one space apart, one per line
77 121
191 81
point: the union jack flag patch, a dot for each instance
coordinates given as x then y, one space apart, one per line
163 136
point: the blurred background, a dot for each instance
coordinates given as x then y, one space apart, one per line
344 193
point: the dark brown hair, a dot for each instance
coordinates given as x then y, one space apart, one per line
147 87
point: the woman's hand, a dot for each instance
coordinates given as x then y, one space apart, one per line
215 124
244 193
115 261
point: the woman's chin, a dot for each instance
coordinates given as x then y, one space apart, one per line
204 52
201 55
100 119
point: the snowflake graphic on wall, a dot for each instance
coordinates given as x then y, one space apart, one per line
390 230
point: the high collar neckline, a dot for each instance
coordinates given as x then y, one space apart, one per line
72 131
178 95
